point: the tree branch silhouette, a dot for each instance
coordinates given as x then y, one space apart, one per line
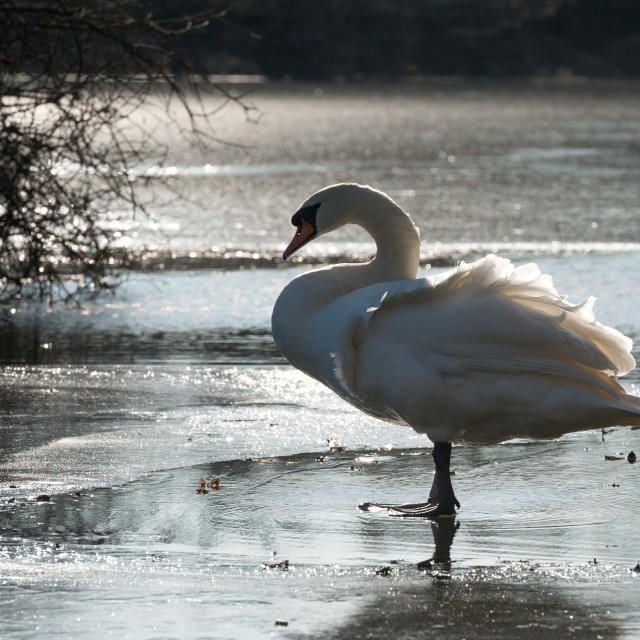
73 76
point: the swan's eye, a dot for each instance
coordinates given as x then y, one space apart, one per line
306 214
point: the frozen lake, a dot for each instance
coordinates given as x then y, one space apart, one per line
116 410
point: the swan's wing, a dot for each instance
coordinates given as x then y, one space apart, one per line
527 286
485 316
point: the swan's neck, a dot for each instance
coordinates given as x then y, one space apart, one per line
397 241
397 251
297 309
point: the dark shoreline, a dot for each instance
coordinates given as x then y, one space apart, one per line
386 40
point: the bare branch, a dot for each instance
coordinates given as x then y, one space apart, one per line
73 76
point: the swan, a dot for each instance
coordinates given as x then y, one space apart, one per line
475 356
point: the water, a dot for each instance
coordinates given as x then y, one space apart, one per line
473 163
115 410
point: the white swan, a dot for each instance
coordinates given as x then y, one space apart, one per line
478 355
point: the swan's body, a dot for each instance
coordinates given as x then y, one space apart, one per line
481 354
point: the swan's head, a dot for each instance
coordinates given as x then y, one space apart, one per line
325 211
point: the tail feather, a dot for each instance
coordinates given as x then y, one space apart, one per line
629 414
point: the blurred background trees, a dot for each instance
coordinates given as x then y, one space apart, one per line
386 39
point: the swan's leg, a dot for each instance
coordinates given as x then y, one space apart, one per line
442 500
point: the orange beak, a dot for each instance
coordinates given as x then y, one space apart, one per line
305 232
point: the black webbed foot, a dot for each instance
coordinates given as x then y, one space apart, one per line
414 510
442 501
